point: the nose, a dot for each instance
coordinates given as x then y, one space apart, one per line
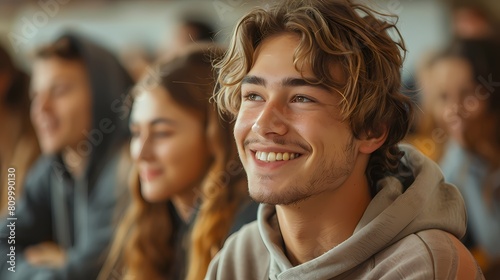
41 103
452 114
271 121
141 148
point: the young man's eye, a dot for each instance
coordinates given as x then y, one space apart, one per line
301 99
252 97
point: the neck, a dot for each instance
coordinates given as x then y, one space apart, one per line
318 224
185 203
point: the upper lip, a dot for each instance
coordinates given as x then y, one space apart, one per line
149 171
43 120
271 148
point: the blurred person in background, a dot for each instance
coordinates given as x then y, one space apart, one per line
18 143
192 30
468 76
136 59
473 20
428 134
189 189
64 216
469 20
188 31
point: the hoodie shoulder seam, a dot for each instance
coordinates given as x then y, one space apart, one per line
429 251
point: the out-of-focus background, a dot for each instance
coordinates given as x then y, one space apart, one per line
449 112
132 28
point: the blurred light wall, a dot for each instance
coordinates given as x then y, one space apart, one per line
121 25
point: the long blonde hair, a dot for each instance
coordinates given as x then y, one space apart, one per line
143 246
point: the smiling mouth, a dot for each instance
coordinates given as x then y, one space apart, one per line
273 156
149 175
47 126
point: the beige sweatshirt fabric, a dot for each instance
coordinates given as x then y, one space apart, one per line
403 234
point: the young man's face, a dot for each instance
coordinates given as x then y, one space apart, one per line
289 134
61 107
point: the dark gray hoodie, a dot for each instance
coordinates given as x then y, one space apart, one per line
403 234
76 214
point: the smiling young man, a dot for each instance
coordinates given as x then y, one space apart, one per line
314 87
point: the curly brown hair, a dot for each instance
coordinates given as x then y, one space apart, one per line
333 32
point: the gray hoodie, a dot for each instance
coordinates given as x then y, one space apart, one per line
403 234
74 213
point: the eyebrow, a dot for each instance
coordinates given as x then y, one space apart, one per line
158 121
286 82
254 80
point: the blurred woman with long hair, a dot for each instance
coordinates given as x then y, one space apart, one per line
468 72
189 190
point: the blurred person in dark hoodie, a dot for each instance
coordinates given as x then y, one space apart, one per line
18 143
64 218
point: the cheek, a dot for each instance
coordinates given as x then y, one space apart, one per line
438 113
75 107
83 115
34 111
238 132
243 125
478 110
194 155
324 138
178 154
184 163
478 123
167 154
317 126
40 110
34 118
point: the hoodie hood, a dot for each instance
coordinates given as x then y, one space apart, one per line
394 213
110 84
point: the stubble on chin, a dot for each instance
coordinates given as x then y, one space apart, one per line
333 173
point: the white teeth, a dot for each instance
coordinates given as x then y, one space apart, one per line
272 156
286 156
263 156
279 156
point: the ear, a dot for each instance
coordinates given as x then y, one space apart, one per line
371 141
